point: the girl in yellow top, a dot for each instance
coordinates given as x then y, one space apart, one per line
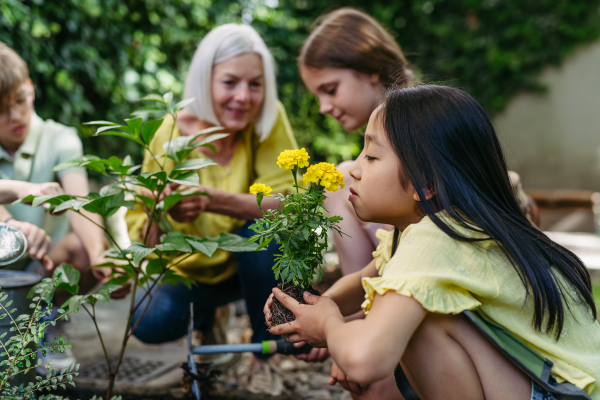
232 78
433 168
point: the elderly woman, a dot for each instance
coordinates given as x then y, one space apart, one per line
232 77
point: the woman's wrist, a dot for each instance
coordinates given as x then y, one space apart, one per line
215 196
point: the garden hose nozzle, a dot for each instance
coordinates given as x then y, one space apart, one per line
265 347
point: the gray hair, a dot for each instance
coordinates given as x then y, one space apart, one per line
221 44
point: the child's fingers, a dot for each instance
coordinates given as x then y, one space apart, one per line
310 298
285 329
332 381
289 302
47 263
354 387
294 338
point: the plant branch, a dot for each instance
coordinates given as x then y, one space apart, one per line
93 316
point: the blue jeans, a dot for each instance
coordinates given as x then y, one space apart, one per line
167 316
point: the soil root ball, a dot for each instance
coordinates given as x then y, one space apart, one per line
280 314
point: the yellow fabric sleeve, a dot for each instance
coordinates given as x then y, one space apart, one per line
383 252
444 275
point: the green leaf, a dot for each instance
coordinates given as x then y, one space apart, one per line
152 180
118 281
233 243
108 205
205 246
212 138
90 162
174 279
120 131
189 178
50 199
108 123
67 277
74 302
171 200
73 204
154 97
174 241
139 252
135 124
146 201
154 267
148 110
168 97
183 103
103 294
149 130
193 164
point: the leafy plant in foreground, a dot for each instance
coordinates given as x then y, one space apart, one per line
125 191
22 350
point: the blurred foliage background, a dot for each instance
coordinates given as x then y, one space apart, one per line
91 59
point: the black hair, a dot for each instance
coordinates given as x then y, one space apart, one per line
446 144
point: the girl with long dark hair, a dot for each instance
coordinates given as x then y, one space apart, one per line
463 273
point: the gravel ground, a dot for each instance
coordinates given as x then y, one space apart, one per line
297 379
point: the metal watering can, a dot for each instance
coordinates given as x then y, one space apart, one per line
13 245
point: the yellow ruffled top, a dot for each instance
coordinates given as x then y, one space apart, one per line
448 276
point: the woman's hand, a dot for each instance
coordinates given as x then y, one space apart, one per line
189 208
312 319
337 375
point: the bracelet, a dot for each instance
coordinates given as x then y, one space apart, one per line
9 218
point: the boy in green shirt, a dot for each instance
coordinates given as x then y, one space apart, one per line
29 149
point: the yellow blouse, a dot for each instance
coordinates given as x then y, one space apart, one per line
449 276
252 162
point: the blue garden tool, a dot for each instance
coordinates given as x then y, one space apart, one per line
265 347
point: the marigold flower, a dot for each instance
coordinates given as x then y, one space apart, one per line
260 188
290 159
326 175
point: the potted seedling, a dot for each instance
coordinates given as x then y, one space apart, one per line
299 225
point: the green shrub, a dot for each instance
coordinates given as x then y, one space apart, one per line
88 58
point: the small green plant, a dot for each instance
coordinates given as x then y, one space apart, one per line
299 224
22 350
125 191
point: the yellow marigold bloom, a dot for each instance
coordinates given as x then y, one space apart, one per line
289 159
326 175
260 188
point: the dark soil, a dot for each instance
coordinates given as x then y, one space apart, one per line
280 314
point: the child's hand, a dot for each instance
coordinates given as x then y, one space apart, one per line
315 355
24 189
312 319
38 242
337 375
267 310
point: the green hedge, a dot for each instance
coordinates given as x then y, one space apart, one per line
89 58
